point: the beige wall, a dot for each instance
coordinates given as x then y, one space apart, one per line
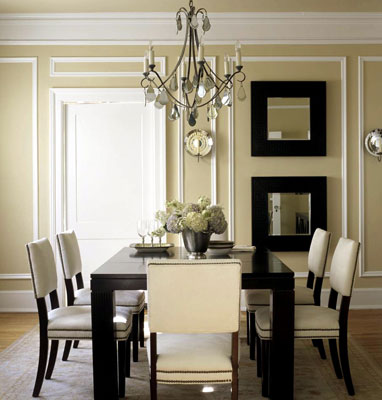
15 139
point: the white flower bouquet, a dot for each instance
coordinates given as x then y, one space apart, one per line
198 217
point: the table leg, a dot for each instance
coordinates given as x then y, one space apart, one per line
281 354
105 375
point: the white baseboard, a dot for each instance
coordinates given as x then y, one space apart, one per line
17 301
367 298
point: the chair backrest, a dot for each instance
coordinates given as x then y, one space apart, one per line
343 266
43 267
318 252
69 253
198 296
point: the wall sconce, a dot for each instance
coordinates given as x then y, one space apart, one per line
373 143
198 143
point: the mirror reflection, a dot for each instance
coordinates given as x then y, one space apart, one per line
288 118
288 214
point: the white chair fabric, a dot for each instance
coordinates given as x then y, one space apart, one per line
193 358
198 296
310 322
43 267
70 254
134 299
344 260
318 252
75 322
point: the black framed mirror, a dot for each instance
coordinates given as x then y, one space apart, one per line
287 210
288 118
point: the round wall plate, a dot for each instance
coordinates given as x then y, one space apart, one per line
198 143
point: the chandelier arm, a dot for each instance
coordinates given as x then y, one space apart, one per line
202 11
194 57
223 86
213 73
189 52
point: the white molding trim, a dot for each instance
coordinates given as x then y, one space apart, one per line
161 61
361 163
35 199
15 276
139 28
181 122
342 61
17 301
58 99
231 166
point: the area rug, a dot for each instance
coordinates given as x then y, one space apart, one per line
314 378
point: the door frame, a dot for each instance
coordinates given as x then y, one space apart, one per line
59 98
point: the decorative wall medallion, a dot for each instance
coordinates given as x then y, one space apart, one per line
198 143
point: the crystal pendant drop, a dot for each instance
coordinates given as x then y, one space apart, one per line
191 120
194 22
226 100
201 90
150 94
241 93
174 113
163 98
206 24
212 112
195 112
179 24
174 83
157 103
187 86
218 102
209 83
195 81
198 100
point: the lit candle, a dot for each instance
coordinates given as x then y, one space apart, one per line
183 69
201 52
151 55
226 65
238 54
145 63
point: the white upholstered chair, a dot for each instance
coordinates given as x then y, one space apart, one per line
195 305
309 295
67 323
72 267
322 322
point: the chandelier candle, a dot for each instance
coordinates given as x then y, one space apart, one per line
197 77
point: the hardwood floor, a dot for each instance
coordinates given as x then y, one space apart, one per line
15 325
364 325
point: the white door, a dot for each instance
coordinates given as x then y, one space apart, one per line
112 170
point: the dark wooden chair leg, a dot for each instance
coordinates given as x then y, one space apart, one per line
334 356
314 343
259 357
142 328
320 346
43 357
264 366
65 354
247 327
76 343
343 344
235 366
128 355
153 389
135 337
52 358
121 368
252 337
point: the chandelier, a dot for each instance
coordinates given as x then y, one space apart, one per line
197 77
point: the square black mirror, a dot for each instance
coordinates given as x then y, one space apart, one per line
287 210
288 118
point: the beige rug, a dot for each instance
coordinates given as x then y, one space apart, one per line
314 378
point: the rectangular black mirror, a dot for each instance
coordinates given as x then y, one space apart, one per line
288 118
287 210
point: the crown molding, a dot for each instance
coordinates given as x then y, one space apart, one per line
140 28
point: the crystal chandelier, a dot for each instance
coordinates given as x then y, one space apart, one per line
197 77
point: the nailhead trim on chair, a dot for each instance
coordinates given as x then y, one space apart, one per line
194 382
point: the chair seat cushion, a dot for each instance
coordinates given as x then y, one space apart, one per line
134 299
310 322
75 322
193 358
257 298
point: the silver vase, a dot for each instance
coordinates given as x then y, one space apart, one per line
196 243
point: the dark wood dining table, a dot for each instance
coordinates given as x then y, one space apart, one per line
126 270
